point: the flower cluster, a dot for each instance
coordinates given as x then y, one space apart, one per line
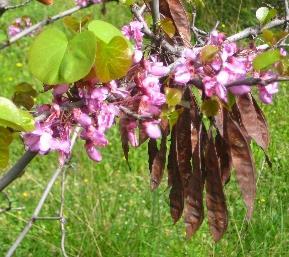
229 64
18 25
137 100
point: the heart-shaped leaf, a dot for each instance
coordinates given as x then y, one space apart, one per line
54 59
113 59
104 31
12 117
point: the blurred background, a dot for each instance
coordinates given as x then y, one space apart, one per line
110 209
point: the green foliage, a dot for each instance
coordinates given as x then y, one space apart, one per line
210 107
114 53
14 118
264 14
266 59
24 95
5 141
208 53
54 59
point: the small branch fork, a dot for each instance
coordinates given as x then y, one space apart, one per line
59 170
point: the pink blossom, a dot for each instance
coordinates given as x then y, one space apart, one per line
133 31
152 129
92 153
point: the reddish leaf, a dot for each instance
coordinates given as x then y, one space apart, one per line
263 125
158 162
253 121
175 10
152 152
194 213
46 2
242 161
124 137
225 160
174 180
236 116
215 198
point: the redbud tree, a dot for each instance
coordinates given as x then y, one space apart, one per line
191 95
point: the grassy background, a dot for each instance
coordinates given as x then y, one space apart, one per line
110 209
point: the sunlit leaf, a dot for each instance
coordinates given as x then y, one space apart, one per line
168 27
208 53
5 141
173 96
104 31
12 117
54 59
113 59
265 59
262 13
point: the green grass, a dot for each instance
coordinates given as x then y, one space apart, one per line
111 211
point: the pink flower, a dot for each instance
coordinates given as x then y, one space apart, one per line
133 31
152 129
92 153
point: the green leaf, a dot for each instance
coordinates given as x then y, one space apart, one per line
208 53
262 13
24 95
104 31
113 59
54 59
5 140
168 27
210 107
266 59
12 117
173 96
75 24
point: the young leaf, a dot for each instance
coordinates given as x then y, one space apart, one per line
175 10
12 117
104 31
215 198
113 59
5 141
266 59
208 53
262 13
173 96
168 27
24 95
210 107
54 59
242 161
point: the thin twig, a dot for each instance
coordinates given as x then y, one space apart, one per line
156 13
41 202
10 7
41 24
61 214
256 30
16 170
193 28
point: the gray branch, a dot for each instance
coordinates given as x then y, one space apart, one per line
256 30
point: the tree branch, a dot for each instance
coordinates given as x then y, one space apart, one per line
16 170
10 7
41 202
156 13
41 24
256 30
